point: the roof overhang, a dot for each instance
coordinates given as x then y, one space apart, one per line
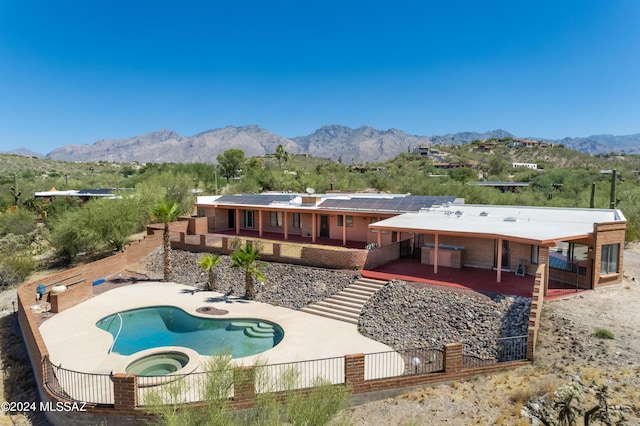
532 225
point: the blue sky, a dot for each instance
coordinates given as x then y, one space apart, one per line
73 72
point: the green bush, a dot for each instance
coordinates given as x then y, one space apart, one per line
603 333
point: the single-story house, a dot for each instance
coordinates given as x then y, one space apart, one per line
579 246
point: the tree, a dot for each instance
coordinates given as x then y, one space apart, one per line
247 260
281 155
208 262
113 221
166 212
231 162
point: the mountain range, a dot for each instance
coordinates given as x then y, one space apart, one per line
335 142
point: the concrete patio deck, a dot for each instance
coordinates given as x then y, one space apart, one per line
74 340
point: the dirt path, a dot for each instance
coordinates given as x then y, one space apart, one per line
567 349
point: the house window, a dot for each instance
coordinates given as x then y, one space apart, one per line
276 219
609 259
373 220
248 218
570 257
296 220
341 220
535 253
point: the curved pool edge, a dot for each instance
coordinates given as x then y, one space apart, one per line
192 365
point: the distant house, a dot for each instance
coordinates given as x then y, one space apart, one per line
529 143
532 166
485 146
503 186
83 194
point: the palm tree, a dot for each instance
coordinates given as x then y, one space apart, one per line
166 212
208 262
247 259
281 155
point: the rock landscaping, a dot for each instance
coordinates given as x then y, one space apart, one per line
401 315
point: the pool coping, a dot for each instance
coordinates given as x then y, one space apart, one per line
75 342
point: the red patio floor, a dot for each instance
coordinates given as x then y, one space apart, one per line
480 280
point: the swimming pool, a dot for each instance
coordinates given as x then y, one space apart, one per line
145 328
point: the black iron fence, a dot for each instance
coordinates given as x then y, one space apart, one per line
77 386
199 386
507 349
403 362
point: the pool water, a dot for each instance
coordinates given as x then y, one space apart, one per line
157 326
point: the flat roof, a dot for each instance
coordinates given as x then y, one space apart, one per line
541 225
347 202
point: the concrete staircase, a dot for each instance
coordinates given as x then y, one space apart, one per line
347 304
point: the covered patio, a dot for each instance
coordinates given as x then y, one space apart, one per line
468 278
291 238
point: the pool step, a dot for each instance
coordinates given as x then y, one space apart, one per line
260 330
347 304
240 325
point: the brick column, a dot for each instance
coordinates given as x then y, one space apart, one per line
125 391
354 371
452 357
543 259
244 390
531 342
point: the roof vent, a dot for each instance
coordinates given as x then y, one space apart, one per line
458 213
511 219
484 214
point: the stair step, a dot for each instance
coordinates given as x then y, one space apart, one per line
240 325
260 334
338 312
366 288
330 315
373 281
337 299
337 307
356 294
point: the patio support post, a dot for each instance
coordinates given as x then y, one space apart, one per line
344 229
435 254
285 224
237 221
260 223
314 225
379 238
499 273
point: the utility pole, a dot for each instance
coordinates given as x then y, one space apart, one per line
612 193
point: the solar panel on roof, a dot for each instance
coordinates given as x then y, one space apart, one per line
402 204
255 199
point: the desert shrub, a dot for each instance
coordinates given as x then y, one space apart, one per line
603 333
20 222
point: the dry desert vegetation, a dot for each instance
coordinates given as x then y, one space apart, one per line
586 341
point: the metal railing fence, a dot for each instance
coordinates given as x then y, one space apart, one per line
77 386
298 375
404 362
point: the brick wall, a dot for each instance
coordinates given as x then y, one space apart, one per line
36 348
382 255
608 233
477 252
537 299
332 258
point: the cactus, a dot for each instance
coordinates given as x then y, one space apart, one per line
14 190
